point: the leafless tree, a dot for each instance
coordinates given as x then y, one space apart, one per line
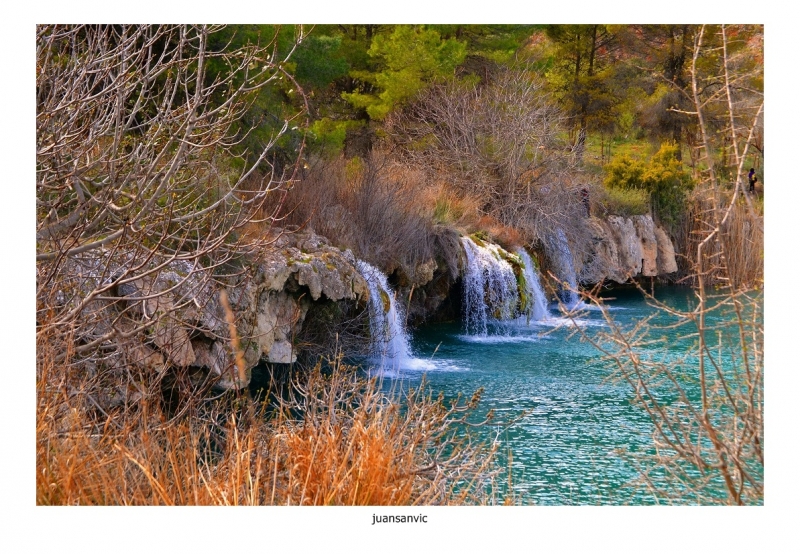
500 142
141 188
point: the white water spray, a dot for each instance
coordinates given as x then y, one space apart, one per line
537 300
490 287
559 248
390 342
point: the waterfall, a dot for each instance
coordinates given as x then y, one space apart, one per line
490 287
386 320
561 254
537 300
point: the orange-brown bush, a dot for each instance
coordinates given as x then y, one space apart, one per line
350 444
507 237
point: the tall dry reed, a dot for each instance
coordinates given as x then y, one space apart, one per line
737 258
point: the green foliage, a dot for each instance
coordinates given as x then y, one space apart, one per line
411 57
328 135
499 43
663 178
480 237
582 73
625 202
355 40
319 61
272 105
595 101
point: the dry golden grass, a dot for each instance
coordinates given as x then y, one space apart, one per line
339 441
451 207
507 237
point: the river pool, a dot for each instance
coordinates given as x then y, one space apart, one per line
580 433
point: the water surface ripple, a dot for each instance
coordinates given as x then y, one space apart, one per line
567 447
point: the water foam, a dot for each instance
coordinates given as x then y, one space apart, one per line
490 287
537 300
391 348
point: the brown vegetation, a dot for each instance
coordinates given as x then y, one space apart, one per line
736 258
499 144
337 440
369 205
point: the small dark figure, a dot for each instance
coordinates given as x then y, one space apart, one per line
585 200
751 177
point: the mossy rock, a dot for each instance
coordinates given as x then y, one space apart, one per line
522 289
515 261
480 238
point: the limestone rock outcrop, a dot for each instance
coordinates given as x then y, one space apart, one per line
271 301
425 290
665 259
624 248
173 317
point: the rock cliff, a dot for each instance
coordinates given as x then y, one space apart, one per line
173 317
272 299
624 248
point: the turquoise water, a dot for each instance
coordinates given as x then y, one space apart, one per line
567 447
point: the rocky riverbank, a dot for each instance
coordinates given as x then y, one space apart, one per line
182 323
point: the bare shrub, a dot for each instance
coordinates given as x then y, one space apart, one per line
371 206
499 143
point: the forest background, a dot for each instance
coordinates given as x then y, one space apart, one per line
779 117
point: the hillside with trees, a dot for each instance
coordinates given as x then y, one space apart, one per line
208 197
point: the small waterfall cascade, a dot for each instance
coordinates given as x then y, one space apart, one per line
559 248
537 300
386 320
490 287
